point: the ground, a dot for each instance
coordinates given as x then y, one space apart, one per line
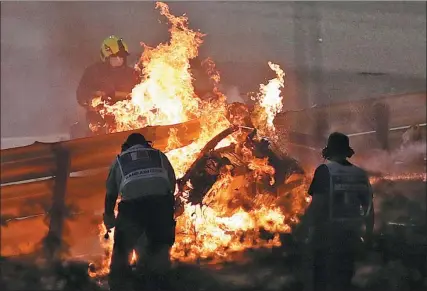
268 271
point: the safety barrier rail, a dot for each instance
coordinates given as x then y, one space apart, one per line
35 179
381 119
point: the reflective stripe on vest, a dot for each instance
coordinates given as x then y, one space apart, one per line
347 185
141 163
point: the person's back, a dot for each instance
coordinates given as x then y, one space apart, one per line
139 161
146 181
348 194
341 205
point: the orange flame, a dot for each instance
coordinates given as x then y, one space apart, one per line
400 177
133 258
270 101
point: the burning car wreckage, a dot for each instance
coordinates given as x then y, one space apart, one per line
211 163
236 190
243 163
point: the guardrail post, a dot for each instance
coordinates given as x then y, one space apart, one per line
57 213
321 128
381 117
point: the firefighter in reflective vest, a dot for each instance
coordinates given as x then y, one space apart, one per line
339 218
146 181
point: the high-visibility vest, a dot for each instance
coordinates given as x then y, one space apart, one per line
348 186
142 172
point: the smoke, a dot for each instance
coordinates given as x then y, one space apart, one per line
400 187
393 276
409 158
34 84
23 89
46 46
233 94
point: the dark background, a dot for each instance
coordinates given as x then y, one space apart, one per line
367 49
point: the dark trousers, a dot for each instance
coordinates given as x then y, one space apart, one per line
152 216
333 270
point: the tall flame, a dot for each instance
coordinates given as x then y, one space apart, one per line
270 101
165 94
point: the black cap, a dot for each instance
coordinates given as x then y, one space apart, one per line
136 138
338 144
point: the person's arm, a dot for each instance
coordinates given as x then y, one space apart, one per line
171 172
86 89
370 215
83 90
136 76
112 191
315 210
319 190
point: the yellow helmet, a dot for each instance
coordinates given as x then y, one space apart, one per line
112 46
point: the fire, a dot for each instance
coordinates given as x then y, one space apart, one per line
107 245
133 257
223 224
400 177
210 236
269 100
165 95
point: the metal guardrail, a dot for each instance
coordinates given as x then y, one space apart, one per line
391 129
58 160
42 160
364 115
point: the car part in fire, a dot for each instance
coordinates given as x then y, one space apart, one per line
206 169
240 114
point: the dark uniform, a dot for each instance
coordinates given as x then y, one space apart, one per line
341 207
104 80
146 180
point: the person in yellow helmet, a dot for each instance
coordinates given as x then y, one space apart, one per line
110 78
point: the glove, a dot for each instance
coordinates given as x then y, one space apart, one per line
108 100
109 97
109 221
